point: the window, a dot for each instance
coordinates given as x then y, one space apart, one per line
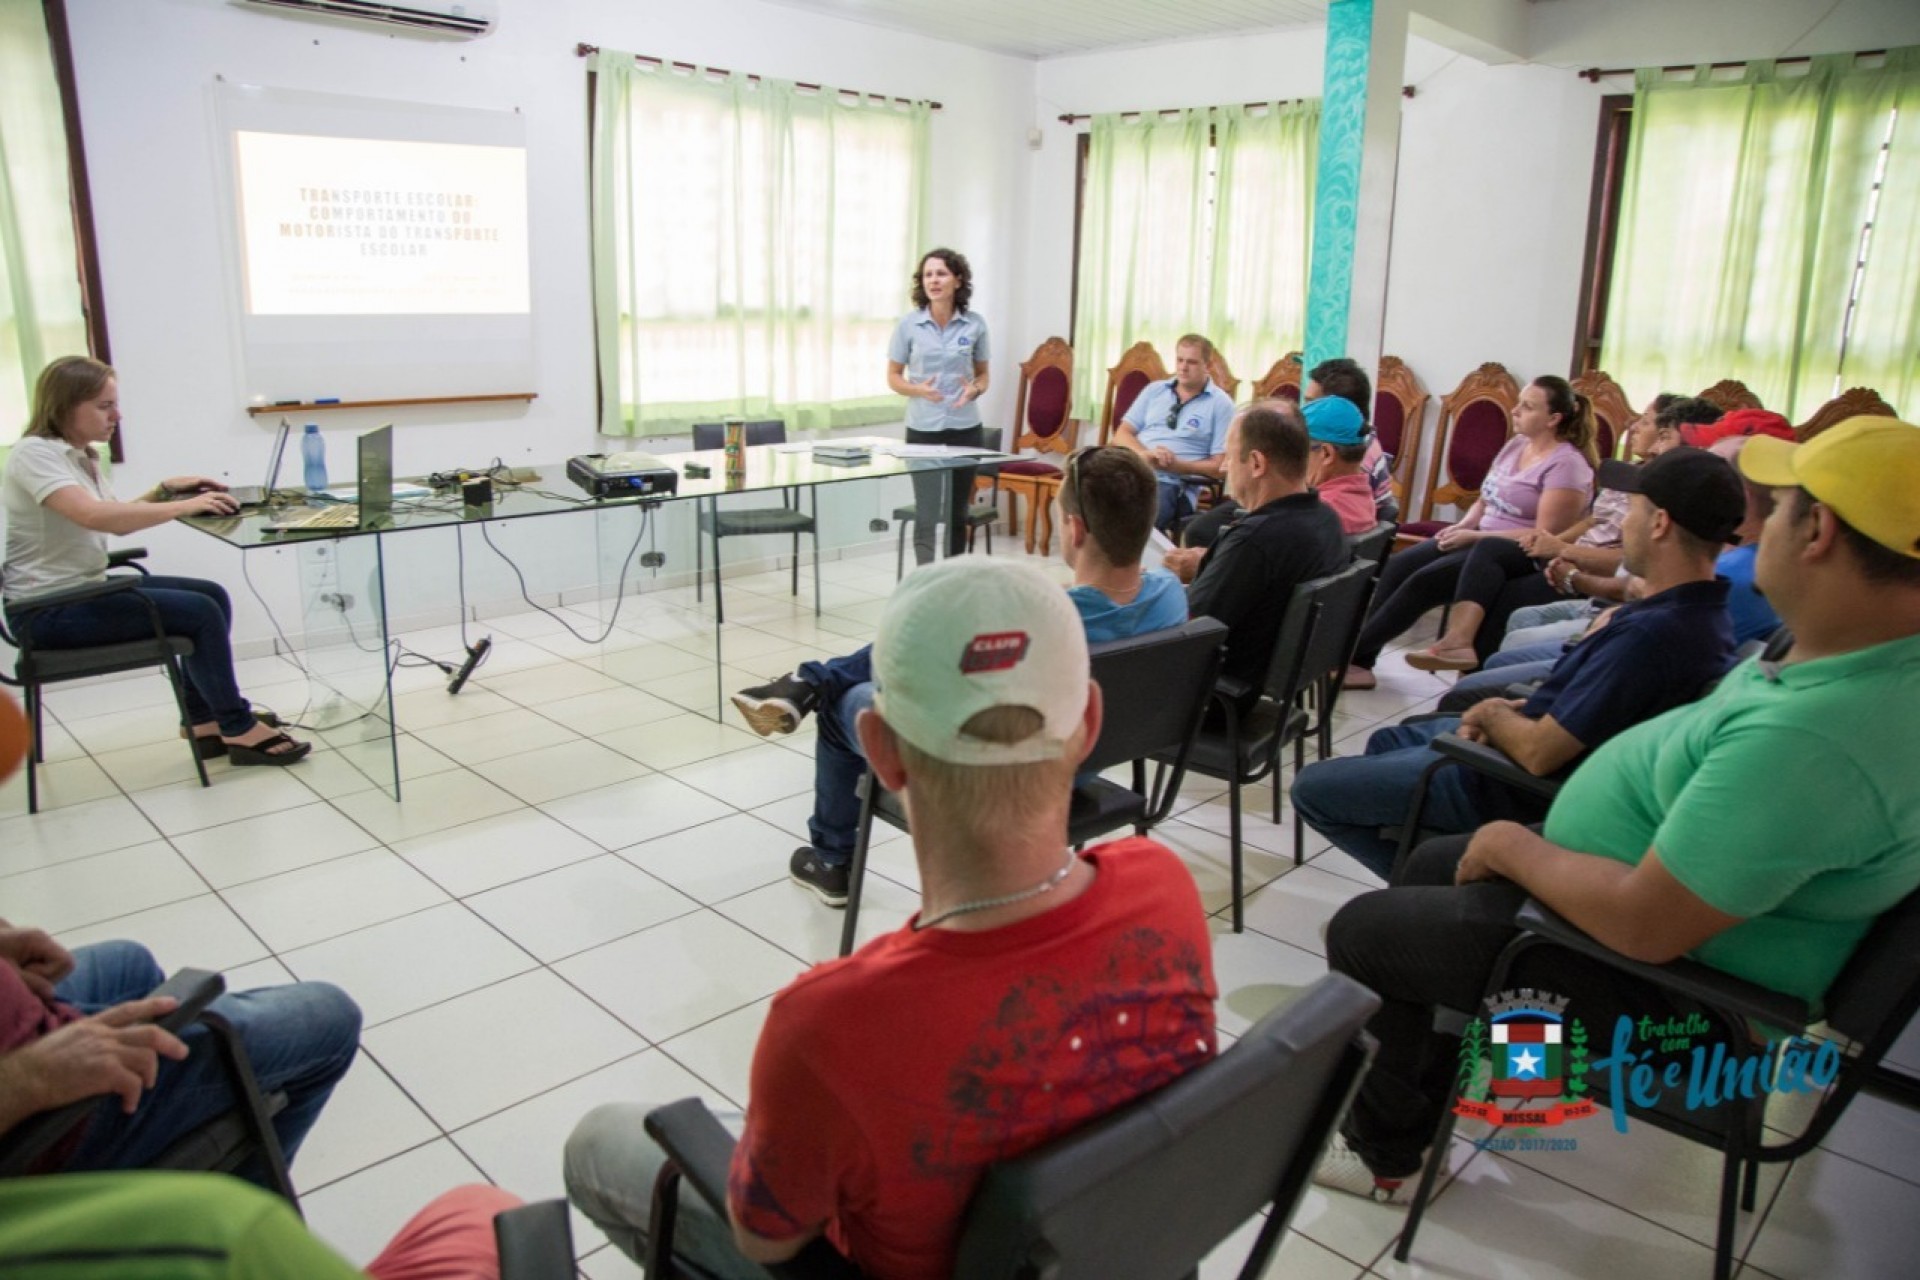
754 245
43 215
1740 239
1194 221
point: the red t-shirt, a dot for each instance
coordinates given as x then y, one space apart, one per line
884 1083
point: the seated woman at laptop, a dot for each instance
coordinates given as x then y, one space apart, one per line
59 509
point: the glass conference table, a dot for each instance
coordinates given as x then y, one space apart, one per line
347 575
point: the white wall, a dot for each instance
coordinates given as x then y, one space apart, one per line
145 72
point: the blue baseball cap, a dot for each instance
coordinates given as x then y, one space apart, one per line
1334 420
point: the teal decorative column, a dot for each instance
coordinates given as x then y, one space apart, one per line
1353 186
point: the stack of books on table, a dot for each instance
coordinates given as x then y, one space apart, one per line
844 453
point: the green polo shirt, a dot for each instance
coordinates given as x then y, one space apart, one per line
156 1226
1790 797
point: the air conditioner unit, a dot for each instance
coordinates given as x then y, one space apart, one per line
433 19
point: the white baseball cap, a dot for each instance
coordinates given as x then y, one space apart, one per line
968 634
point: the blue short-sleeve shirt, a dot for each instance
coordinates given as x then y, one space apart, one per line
1195 430
946 355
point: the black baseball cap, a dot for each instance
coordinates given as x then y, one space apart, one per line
1700 490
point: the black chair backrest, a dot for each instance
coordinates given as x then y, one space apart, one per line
1317 633
1374 544
1881 981
1150 1190
1154 689
713 435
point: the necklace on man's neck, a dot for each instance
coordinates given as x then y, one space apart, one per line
1048 885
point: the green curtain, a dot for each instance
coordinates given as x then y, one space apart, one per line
1740 230
1883 349
1262 232
1143 243
753 247
40 315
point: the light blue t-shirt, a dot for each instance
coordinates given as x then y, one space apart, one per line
947 356
1161 603
1753 618
1195 431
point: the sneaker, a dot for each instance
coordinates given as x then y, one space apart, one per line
1342 1169
776 707
828 880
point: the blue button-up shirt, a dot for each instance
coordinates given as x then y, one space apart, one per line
947 356
1195 432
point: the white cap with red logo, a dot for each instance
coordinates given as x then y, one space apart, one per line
969 634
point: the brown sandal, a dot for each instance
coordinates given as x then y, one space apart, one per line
263 752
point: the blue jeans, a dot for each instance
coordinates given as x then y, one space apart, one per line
1540 623
1350 798
1176 503
845 687
1518 666
199 611
300 1039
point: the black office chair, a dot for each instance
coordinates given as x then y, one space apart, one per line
1179 666
739 522
1869 1004
1376 544
1321 698
1145 1192
980 515
1315 637
35 667
243 1135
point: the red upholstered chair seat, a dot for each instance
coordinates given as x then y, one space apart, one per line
1417 529
1047 399
1388 422
1028 467
1130 388
1477 437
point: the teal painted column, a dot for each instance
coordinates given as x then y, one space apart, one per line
1353 186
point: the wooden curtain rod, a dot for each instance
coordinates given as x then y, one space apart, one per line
583 49
1594 73
1406 91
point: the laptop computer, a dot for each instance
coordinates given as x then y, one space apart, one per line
258 496
374 510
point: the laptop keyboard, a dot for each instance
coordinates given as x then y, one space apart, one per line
344 516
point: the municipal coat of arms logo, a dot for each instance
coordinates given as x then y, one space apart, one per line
1525 1062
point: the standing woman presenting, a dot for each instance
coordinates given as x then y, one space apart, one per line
938 361
59 511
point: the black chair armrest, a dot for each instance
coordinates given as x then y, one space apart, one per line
22 1146
1496 764
698 1143
1232 689
1688 977
535 1241
701 1148
125 556
73 595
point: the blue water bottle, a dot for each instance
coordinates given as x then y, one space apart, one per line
313 447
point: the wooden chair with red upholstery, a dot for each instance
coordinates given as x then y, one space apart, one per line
1476 420
1731 394
1222 375
1284 380
1045 426
1612 414
1855 402
1399 410
1139 368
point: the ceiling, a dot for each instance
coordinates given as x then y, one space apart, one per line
1052 28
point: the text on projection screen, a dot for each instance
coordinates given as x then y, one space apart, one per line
362 226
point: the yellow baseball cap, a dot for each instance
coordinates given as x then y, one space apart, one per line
1867 469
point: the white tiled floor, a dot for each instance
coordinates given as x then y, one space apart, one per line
583 898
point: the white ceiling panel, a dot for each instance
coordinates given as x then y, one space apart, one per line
1051 28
